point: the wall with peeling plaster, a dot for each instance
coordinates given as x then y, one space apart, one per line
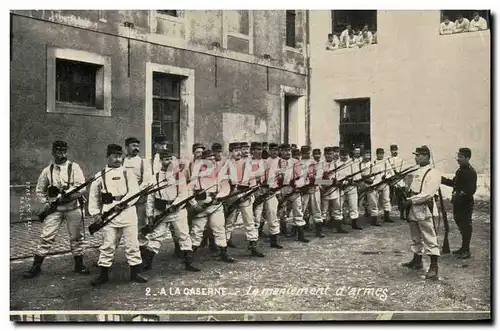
245 95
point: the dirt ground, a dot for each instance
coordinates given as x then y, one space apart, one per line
359 271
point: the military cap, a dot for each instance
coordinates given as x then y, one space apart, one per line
198 145
424 150
255 144
165 152
273 146
160 139
216 147
285 147
114 149
316 151
131 140
244 144
207 153
233 146
343 152
379 150
293 146
328 149
465 152
264 144
394 147
336 149
305 149
295 152
59 145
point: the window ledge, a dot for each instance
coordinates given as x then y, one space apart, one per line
469 33
352 49
293 49
175 19
72 109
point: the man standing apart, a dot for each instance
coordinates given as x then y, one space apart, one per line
464 186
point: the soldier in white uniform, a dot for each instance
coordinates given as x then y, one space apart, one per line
365 166
380 196
141 169
332 200
311 197
115 185
423 188
349 191
59 177
208 190
399 188
175 190
160 143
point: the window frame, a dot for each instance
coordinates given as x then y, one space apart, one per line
102 83
373 31
294 14
442 13
249 37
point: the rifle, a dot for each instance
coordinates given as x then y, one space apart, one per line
65 198
446 225
389 180
106 217
232 207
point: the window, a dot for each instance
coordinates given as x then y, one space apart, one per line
75 82
463 21
166 108
354 122
78 82
353 28
290 28
238 21
168 12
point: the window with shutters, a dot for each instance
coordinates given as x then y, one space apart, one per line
166 108
238 30
290 28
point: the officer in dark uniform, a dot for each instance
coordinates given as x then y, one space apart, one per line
464 186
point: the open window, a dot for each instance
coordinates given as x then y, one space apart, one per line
458 21
356 18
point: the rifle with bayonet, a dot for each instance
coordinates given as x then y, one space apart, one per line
65 198
114 211
446 225
390 180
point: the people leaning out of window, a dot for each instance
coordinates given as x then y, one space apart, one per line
350 38
462 24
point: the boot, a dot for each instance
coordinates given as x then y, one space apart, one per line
195 248
211 243
178 251
188 261
223 255
338 226
147 260
36 268
432 273
283 228
458 251
135 275
415 263
230 244
387 217
354 224
102 278
79 267
252 247
274 241
319 230
301 236
293 232
374 221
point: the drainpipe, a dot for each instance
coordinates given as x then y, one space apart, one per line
308 81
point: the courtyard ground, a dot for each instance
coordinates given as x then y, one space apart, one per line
359 271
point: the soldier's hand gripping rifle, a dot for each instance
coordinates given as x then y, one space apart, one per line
66 197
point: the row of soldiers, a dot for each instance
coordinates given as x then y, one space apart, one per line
139 201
